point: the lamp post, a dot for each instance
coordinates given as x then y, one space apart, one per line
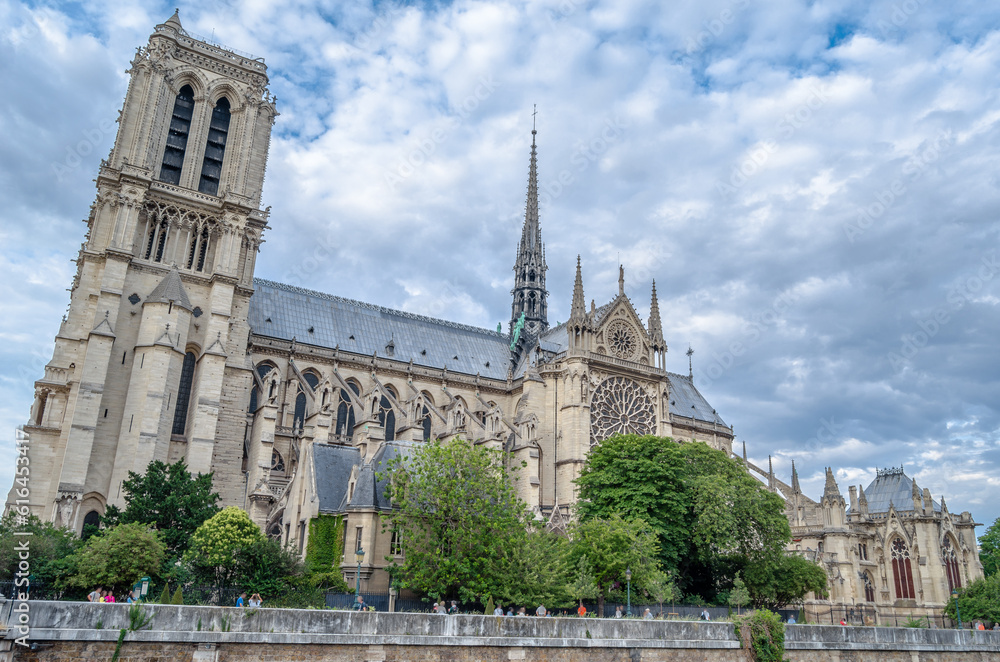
954 594
628 580
360 554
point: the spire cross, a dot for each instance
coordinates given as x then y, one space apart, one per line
534 111
690 352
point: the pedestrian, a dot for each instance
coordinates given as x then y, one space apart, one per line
618 611
843 622
498 610
131 599
256 600
996 626
980 626
705 616
522 612
791 619
581 611
110 597
95 595
647 615
359 604
104 596
510 611
540 611
240 601
453 609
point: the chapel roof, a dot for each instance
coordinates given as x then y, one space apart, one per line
686 400
892 485
332 467
285 312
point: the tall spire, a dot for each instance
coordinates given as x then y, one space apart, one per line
831 489
579 307
529 296
655 326
795 479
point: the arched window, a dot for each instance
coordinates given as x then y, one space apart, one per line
300 400
177 137
950 559
183 394
218 130
91 524
902 572
277 462
156 241
426 423
345 412
197 250
387 418
869 587
262 370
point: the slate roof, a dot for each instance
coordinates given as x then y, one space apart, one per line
686 400
285 312
170 289
895 486
369 490
332 467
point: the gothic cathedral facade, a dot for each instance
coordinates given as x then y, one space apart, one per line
294 398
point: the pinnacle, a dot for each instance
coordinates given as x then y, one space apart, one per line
175 20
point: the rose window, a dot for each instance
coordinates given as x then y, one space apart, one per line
622 339
620 406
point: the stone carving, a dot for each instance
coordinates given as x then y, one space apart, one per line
620 406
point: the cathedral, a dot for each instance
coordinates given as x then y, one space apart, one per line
295 398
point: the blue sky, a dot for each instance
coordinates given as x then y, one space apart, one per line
812 185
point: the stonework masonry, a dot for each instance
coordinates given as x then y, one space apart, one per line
65 631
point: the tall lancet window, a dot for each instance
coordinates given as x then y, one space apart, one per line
184 394
218 130
902 570
180 126
300 401
387 418
345 413
197 250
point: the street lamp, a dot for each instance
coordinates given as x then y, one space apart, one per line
954 594
360 554
628 579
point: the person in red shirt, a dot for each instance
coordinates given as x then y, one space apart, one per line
581 610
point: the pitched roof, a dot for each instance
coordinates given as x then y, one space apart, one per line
892 485
332 467
286 312
170 289
686 400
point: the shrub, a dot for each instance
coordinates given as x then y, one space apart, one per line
762 634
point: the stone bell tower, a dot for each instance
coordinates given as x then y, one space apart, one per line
150 361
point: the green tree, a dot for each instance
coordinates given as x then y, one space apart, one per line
168 498
50 547
980 600
710 516
583 586
989 549
613 545
461 524
739 596
662 588
118 558
779 579
544 571
215 546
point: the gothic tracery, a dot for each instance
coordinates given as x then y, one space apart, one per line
620 406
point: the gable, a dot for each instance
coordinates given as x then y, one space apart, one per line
621 333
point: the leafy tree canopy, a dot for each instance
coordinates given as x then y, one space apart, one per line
216 543
613 545
461 523
711 517
980 600
168 498
50 546
989 549
117 559
776 580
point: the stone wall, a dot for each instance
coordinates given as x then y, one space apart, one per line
68 631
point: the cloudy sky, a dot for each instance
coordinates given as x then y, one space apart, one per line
813 185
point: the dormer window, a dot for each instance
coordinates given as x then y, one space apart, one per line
215 149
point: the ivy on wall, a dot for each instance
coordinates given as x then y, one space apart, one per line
323 551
